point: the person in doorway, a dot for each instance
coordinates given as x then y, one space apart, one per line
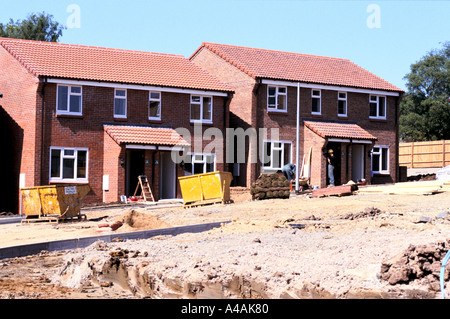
289 171
331 159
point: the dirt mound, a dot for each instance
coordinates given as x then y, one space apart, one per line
134 220
421 263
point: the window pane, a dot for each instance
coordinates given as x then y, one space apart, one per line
267 153
55 164
342 95
119 107
121 93
69 152
373 109
384 159
75 89
287 154
373 98
282 90
342 105
272 91
69 168
272 101
154 95
154 109
198 168
75 104
195 111
196 99
316 105
375 163
62 98
281 102
207 108
81 164
276 161
316 93
381 107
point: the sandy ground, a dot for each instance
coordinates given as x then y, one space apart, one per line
301 247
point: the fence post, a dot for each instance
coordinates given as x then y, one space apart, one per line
412 154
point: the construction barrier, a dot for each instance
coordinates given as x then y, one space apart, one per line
208 188
52 203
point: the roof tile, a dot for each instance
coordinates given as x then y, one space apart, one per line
339 130
110 65
144 135
278 65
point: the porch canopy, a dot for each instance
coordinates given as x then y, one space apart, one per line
144 135
345 132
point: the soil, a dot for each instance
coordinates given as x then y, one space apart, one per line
358 246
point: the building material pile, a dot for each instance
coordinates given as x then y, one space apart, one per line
342 190
411 188
269 186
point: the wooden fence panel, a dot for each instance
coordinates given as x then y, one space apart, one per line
425 154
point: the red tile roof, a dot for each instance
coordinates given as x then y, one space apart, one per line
110 65
145 135
278 65
339 130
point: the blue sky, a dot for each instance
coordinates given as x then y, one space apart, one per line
384 37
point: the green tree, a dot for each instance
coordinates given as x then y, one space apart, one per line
425 108
39 27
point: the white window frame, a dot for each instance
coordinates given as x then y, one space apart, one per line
116 97
69 94
150 100
341 99
75 158
380 163
203 161
265 166
201 103
376 100
320 101
274 107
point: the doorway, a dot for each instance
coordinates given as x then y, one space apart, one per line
167 185
336 147
135 167
357 162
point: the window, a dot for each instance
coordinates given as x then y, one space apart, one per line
68 164
277 99
342 104
154 110
201 109
380 160
276 154
377 107
316 102
120 103
69 100
199 164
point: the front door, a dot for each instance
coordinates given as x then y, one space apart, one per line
357 162
135 166
336 147
167 176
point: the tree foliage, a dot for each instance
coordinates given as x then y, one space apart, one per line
39 27
425 108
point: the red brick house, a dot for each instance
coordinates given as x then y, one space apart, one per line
104 116
334 103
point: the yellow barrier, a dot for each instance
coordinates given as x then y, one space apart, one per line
208 188
53 202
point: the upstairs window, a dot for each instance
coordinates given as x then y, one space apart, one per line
342 104
120 103
69 100
154 112
276 99
377 107
316 97
199 164
201 109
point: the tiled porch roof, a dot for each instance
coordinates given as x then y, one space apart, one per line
339 130
143 135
